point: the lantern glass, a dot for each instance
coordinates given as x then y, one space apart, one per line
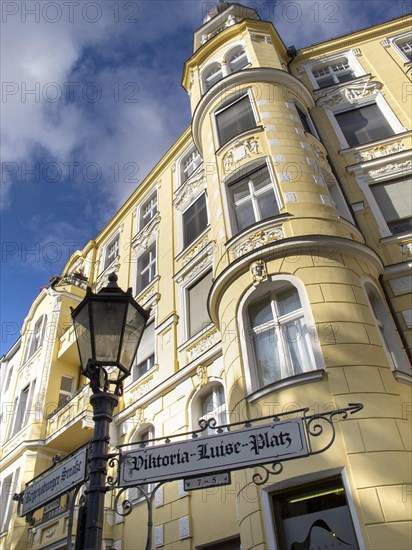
108 320
83 335
133 330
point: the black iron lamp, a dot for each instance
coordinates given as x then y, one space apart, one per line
108 326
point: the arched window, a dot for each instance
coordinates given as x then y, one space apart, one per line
278 343
386 329
236 59
143 436
211 75
404 45
35 337
209 403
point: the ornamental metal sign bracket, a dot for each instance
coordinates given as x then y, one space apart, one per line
263 443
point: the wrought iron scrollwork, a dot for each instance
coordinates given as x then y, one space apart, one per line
274 469
113 463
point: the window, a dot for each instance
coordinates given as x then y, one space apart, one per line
279 336
364 124
143 436
252 198
212 405
234 117
314 516
146 268
9 486
195 220
385 326
338 199
66 389
36 337
22 406
111 252
145 357
394 199
236 59
188 164
211 75
404 45
197 294
148 210
333 72
9 376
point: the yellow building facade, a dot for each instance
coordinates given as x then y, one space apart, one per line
272 244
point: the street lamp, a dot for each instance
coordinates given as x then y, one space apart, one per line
108 326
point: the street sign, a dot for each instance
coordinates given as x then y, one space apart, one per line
202 482
222 452
54 482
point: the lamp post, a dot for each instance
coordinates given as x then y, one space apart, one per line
108 326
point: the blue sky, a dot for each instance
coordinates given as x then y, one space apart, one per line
91 99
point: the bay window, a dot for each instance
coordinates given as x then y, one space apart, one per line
252 197
234 117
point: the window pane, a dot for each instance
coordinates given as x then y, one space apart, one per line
147 344
288 301
194 220
363 125
295 336
235 119
394 199
261 312
267 205
267 356
245 215
198 315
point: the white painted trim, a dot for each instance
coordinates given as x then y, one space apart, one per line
393 42
349 55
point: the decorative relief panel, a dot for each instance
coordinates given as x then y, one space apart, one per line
207 342
348 94
389 169
103 279
256 240
191 186
240 150
195 250
146 236
380 151
142 389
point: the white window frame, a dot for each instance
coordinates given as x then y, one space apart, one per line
243 173
36 337
373 203
309 120
21 418
274 283
184 210
151 250
386 329
385 109
147 360
230 53
105 253
205 87
65 393
185 288
305 479
335 192
220 413
218 109
400 38
8 490
196 159
223 63
351 58
153 209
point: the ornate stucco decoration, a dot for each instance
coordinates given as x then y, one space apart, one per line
258 239
50 532
406 250
103 279
206 342
240 150
393 168
380 151
197 262
258 272
351 93
201 378
147 234
204 243
191 186
319 154
142 389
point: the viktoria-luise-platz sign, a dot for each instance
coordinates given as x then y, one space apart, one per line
204 455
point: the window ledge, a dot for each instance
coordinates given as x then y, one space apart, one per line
401 376
147 292
358 149
199 336
192 246
336 85
303 378
398 238
134 383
